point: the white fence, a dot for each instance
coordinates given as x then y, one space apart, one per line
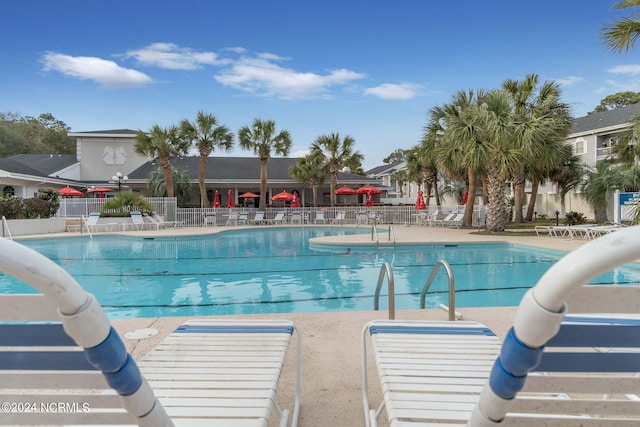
195 217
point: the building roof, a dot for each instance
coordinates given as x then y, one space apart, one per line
385 169
238 169
606 119
13 166
46 164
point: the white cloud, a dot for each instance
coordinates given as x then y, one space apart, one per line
631 69
106 73
569 80
627 86
395 92
261 75
174 57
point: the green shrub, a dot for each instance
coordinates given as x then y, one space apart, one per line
574 218
125 202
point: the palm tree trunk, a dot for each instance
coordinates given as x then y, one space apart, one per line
518 197
334 180
532 200
263 184
168 179
202 167
496 210
467 220
314 189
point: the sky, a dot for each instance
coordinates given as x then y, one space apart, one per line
369 69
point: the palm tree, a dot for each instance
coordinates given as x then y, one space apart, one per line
540 150
400 177
567 176
162 143
336 153
421 166
310 170
622 35
157 185
261 138
207 135
599 184
461 149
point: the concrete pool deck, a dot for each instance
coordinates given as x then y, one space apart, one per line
331 366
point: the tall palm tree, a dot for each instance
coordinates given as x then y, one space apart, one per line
461 147
310 170
207 135
400 177
162 143
421 163
532 101
261 138
567 175
336 153
622 35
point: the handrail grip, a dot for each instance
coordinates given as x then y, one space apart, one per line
452 287
5 225
386 269
374 230
391 232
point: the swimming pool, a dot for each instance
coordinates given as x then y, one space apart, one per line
276 270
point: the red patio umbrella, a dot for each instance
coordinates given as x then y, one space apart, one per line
368 189
249 195
216 200
344 190
295 201
100 191
70 192
420 202
282 197
231 203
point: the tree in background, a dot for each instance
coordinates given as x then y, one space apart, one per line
162 143
617 100
397 156
336 153
34 135
157 185
310 170
207 135
261 138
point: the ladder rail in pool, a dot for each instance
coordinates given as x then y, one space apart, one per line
386 271
5 226
452 287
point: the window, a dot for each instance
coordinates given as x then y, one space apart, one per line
8 191
579 146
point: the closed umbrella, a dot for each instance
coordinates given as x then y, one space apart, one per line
295 200
216 200
231 203
369 202
420 201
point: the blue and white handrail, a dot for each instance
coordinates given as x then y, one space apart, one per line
540 314
84 320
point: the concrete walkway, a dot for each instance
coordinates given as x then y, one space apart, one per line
331 371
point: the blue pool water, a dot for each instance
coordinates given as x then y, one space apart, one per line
276 270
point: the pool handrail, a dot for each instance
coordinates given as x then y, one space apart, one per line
386 270
5 226
452 287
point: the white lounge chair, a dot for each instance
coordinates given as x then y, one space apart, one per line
258 219
340 217
243 218
280 218
319 217
296 218
154 222
138 220
92 224
207 372
444 221
444 372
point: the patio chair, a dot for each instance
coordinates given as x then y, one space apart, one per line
91 223
446 372
340 217
243 218
444 221
258 219
232 218
210 218
207 372
154 222
138 220
280 218
296 218
319 217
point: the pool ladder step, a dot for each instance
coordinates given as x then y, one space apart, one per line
387 271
